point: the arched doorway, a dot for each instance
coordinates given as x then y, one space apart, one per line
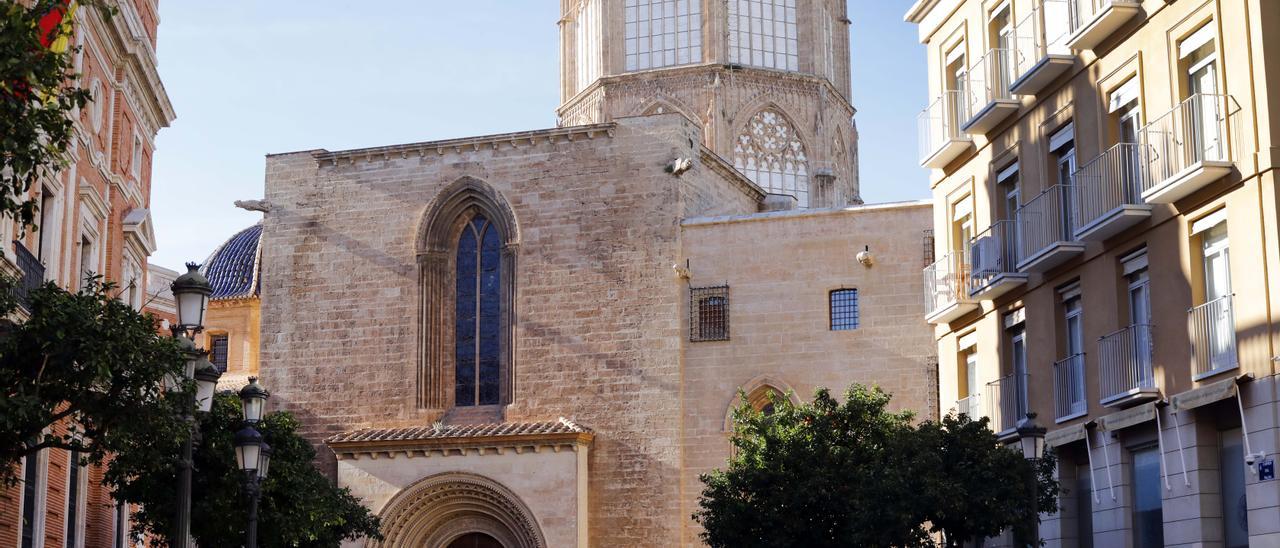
475 540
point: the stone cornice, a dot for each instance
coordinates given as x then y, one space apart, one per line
480 445
794 213
457 146
726 170
139 59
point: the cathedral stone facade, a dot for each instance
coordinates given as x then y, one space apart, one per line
536 339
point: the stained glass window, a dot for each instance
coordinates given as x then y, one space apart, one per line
769 152
478 311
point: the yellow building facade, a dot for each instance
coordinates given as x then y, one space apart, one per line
1105 215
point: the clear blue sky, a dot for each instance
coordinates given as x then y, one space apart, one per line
249 77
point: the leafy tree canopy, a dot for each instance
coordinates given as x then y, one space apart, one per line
300 507
852 473
88 362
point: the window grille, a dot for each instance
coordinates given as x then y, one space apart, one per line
218 352
928 247
844 309
709 313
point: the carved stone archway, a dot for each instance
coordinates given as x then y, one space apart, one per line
438 509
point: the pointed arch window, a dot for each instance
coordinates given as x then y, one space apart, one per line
478 308
770 153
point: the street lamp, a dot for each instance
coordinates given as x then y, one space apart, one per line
1031 438
253 455
207 376
191 292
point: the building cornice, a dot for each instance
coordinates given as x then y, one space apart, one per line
717 164
800 213
134 47
461 440
522 139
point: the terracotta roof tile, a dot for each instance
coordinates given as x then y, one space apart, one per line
459 431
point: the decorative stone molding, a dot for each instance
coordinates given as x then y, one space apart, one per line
438 509
457 146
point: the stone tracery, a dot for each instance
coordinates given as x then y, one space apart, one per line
769 151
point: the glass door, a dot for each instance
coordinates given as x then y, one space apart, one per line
1131 161
1235 518
1205 111
1140 323
1217 289
1067 166
1021 405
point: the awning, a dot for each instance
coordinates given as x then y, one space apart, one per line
1067 434
1206 394
1129 417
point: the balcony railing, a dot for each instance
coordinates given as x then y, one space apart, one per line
1109 192
1040 40
988 100
1213 337
1124 365
1092 21
946 284
939 130
1046 229
1007 401
1068 387
1188 147
971 406
993 257
32 274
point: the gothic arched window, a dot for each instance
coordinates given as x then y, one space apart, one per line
478 314
769 152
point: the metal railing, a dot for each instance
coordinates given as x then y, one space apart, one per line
1124 363
945 280
1113 179
32 274
971 406
1045 220
1213 336
1041 32
1007 401
1194 131
1068 387
988 80
992 253
1083 12
940 122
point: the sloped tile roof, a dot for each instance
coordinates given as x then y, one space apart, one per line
459 432
232 269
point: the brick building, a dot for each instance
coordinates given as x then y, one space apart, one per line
93 220
536 338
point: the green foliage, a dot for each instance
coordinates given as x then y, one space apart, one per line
299 508
852 473
38 93
89 358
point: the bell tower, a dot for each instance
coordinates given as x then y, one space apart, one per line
768 80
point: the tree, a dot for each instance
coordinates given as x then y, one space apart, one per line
300 507
84 372
854 474
38 93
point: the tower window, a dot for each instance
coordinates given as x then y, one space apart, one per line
478 350
709 313
844 309
769 152
661 33
762 33
218 352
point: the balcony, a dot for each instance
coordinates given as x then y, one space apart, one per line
993 262
1007 402
1068 388
939 127
945 286
1187 147
1092 21
1042 53
1109 192
1046 230
971 406
1125 375
987 88
1213 338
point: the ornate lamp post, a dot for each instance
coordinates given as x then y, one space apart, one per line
191 293
1031 438
253 455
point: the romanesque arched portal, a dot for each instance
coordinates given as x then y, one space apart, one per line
437 510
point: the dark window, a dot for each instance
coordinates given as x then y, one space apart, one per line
121 538
30 479
218 351
478 349
475 540
73 500
844 309
709 313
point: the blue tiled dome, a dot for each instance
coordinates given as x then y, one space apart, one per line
232 269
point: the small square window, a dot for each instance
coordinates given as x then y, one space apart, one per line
218 352
709 313
844 309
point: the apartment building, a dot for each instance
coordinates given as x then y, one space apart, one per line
94 219
1106 230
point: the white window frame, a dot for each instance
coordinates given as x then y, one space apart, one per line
82 485
41 502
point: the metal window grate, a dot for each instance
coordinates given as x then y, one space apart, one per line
844 309
928 247
709 313
218 352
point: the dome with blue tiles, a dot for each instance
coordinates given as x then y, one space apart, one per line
232 269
